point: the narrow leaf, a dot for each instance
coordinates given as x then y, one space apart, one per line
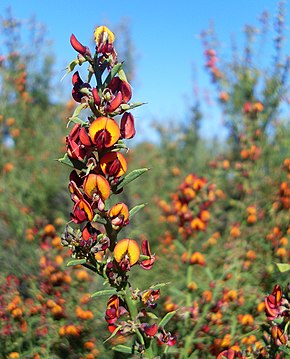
78 120
283 267
122 75
72 162
77 111
70 67
75 262
166 318
158 285
99 219
113 334
123 349
100 293
127 106
112 74
130 177
136 209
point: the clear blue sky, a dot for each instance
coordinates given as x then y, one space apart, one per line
165 35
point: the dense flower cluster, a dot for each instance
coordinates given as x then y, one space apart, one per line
189 206
277 309
93 149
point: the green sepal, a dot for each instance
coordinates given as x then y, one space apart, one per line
129 178
136 209
283 267
75 262
122 349
99 219
72 162
166 318
112 74
130 106
122 75
78 120
151 315
101 293
77 111
70 67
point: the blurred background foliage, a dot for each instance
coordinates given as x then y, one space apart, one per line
249 170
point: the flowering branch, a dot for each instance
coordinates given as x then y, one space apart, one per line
99 172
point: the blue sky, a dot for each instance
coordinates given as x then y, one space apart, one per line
166 39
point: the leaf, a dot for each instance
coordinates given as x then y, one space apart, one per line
130 177
136 209
158 285
123 349
78 120
72 162
112 74
77 111
100 293
283 267
75 262
166 318
70 67
99 219
127 106
122 75
114 333
151 315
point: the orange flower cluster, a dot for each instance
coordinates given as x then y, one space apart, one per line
211 64
277 306
36 306
93 150
189 206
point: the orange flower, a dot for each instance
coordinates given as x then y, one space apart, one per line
49 230
8 167
96 187
224 96
197 258
14 355
104 132
89 345
235 231
127 253
113 164
119 214
197 224
207 295
258 107
246 319
102 35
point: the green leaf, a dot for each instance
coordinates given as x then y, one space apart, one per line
136 209
151 315
78 120
99 219
166 318
283 267
123 349
114 333
122 75
77 111
72 162
75 262
70 67
100 293
112 74
130 177
158 285
130 106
